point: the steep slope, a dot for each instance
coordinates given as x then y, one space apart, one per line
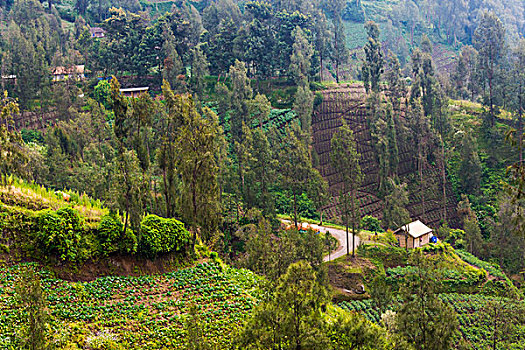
348 102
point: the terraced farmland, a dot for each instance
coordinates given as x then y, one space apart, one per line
348 102
475 326
138 312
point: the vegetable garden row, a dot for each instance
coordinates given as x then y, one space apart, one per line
140 312
475 324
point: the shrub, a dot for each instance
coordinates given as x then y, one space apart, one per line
110 236
160 235
371 223
60 233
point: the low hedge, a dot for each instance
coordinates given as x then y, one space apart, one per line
160 235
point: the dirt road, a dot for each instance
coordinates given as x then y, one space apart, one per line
340 235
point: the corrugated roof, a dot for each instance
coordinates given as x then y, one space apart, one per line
97 30
415 229
135 89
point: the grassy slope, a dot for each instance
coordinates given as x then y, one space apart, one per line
139 312
494 152
33 197
474 326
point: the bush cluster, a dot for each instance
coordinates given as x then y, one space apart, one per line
61 233
111 237
65 235
371 224
160 235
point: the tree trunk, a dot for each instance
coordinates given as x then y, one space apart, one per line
194 203
347 244
444 179
520 125
295 209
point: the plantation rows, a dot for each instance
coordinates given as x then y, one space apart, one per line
349 102
278 118
140 312
492 269
454 280
35 120
474 324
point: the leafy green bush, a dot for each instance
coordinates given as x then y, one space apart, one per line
371 223
437 248
32 136
102 93
160 235
111 238
60 233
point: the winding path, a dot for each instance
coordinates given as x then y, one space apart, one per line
340 235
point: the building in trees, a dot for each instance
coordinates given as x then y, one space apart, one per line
75 72
414 235
97 32
134 92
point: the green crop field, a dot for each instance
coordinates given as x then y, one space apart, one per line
137 312
474 324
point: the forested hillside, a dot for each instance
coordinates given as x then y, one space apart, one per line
285 174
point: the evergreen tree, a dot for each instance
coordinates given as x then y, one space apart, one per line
12 156
32 304
301 59
373 65
396 83
464 75
395 213
198 142
489 40
423 141
340 54
172 66
470 165
344 159
263 165
199 70
380 136
195 338
393 149
259 108
518 103
241 93
127 181
289 316
220 48
423 319
321 41
473 238
295 167
303 106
